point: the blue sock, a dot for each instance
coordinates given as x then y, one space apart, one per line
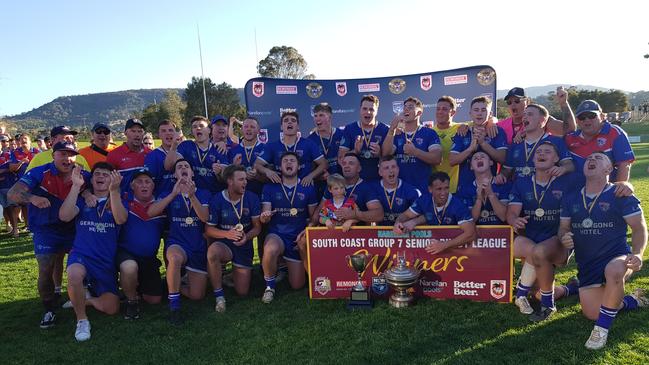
174 301
571 289
270 281
218 292
547 298
629 303
522 290
606 317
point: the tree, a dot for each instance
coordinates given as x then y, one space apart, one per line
284 62
221 99
171 107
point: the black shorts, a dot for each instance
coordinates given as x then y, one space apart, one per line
148 273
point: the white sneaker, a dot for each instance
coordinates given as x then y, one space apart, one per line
83 330
597 338
220 305
268 296
524 305
641 297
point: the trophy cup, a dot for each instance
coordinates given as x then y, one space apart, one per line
360 295
401 277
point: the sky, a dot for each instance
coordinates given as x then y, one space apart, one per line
73 47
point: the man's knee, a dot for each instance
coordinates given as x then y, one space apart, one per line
128 268
615 272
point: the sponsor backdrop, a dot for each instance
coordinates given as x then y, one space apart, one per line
480 271
267 98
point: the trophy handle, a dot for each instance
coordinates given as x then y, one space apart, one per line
349 261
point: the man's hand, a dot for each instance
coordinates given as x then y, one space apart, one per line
77 178
623 188
633 262
557 171
518 138
39 201
347 226
562 96
237 159
500 179
345 213
375 149
435 247
462 130
520 222
187 187
273 176
221 147
566 240
330 224
409 148
115 181
358 144
217 168
307 180
233 235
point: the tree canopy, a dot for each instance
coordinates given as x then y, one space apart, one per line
284 62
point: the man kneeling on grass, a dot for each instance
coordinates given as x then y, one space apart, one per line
92 259
594 222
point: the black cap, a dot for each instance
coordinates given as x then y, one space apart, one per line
133 122
65 146
142 171
4 138
518 92
99 126
62 129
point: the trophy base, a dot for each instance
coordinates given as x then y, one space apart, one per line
359 304
359 299
401 301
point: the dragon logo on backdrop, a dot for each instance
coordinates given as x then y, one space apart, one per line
258 88
498 288
341 88
426 82
322 285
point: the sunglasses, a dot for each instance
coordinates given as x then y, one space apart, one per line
515 101
588 115
103 131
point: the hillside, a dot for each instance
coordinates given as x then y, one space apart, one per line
80 110
535 91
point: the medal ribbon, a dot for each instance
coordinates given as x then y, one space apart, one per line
103 209
331 138
589 208
390 199
286 194
294 146
544 190
238 213
413 134
187 205
439 220
531 152
366 139
252 149
202 158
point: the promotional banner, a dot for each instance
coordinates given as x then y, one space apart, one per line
479 271
268 98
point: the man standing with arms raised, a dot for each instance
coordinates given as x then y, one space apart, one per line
365 138
154 161
417 149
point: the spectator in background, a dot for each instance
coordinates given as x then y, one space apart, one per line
148 141
20 158
58 134
129 157
40 144
99 145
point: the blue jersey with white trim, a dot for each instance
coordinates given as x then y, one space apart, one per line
182 231
282 222
96 233
163 179
469 196
201 161
304 148
412 169
401 199
453 213
223 215
369 166
141 234
520 155
607 235
540 228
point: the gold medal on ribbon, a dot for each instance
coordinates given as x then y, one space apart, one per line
293 211
539 212
189 221
239 213
238 227
588 222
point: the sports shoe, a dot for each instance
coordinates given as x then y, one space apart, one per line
132 310
175 318
83 330
641 297
543 314
268 296
220 305
228 280
48 320
597 339
524 305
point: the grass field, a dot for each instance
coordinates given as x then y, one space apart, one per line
294 329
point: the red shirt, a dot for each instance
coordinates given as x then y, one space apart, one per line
127 162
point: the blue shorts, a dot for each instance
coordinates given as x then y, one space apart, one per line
593 274
291 252
100 279
4 201
50 243
241 255
196 259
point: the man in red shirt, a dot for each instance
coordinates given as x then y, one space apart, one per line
129 157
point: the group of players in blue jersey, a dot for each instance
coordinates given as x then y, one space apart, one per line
564 191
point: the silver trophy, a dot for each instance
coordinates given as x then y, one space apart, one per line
401 278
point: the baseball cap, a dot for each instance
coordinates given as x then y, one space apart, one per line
518 92
142 171
99 126
4 138
62 129
65 146
588 106
218 118
133 122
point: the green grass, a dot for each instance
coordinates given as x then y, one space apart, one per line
294 329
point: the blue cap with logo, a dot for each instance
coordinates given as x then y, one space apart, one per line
219 118
132 123
62 129
518 92
65 146
588 106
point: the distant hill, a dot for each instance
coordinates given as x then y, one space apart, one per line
85 110
535 91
